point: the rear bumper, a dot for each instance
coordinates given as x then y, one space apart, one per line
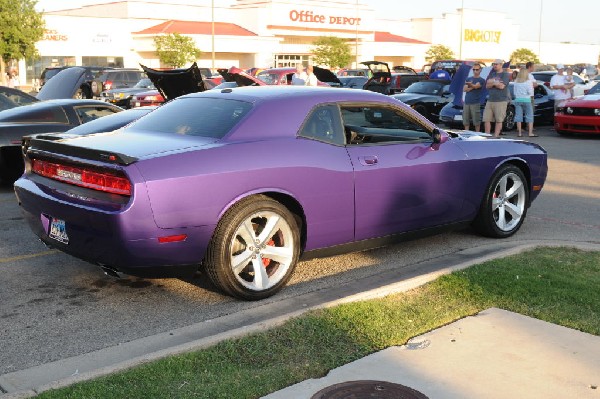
121 236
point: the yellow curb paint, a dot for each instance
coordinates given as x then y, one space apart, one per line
22 257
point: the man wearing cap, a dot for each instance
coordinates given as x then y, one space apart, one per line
440 73
495 108
562 89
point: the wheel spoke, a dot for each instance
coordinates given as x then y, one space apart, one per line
239 262
270 229
514 210
502 185
496 202
501 218
247 233
261 279
515 189
282 255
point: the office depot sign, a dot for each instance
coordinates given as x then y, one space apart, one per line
311 17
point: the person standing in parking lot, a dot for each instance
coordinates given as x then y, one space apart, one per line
495 108
560 86
311 79
300 77
523 90
472 105
440 73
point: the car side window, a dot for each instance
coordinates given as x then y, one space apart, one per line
87 114
324 124
380 125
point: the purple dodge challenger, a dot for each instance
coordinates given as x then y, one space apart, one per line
245 182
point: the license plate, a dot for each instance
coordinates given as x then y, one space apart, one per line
58 231
458 117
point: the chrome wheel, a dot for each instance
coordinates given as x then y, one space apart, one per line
504 205
254 249
508 202
262 250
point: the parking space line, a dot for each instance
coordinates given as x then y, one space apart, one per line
22 257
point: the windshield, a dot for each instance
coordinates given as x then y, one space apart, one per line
195 116
425 88
268 78
144 83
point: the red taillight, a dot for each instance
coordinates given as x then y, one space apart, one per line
176 238
101 181
107 85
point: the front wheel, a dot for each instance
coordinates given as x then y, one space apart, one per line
504 205
254 249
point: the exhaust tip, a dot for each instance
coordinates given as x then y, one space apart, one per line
109 271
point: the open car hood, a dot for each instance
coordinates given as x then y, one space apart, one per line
378 68
325 75
240 77
63 85
172 83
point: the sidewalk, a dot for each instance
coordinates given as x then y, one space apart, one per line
496 354
484 356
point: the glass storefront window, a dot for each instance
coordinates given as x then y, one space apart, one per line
291 60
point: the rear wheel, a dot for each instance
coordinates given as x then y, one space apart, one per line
509 121
254 249
504 205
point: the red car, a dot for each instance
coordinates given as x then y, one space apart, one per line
283 76
579 115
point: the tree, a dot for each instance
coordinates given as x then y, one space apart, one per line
21 26
331 51
176 50
522 56
438 52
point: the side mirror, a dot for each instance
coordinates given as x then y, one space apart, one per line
436 135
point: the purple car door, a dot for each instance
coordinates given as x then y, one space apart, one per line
403 181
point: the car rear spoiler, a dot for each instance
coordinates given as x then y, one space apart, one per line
50 145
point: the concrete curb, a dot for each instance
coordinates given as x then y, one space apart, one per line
29 382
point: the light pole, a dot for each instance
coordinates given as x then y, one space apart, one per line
540 30
212 23
356 41
462 17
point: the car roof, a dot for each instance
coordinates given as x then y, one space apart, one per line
9 113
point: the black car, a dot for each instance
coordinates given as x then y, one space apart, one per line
60 112
122 96
427 97
116 79
353 82
10 98
85 87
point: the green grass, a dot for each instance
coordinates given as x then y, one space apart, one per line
558 285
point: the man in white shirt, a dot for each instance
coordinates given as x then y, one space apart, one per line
300 77
312 79
560 86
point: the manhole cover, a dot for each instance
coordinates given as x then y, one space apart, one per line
368 390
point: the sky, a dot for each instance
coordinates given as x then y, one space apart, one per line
561 21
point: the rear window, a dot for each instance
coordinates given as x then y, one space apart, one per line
194 116
35 115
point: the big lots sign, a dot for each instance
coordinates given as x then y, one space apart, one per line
311 17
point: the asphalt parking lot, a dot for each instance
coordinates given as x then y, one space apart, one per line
54 306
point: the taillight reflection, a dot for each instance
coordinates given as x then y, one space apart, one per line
79 176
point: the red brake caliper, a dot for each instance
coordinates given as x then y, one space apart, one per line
267 261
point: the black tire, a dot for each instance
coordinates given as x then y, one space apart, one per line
229 243
509 121
501 215
11 165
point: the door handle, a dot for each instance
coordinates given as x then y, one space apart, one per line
368 160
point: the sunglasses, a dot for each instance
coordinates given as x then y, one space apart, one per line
476 69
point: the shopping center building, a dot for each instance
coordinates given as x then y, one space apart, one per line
263 33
